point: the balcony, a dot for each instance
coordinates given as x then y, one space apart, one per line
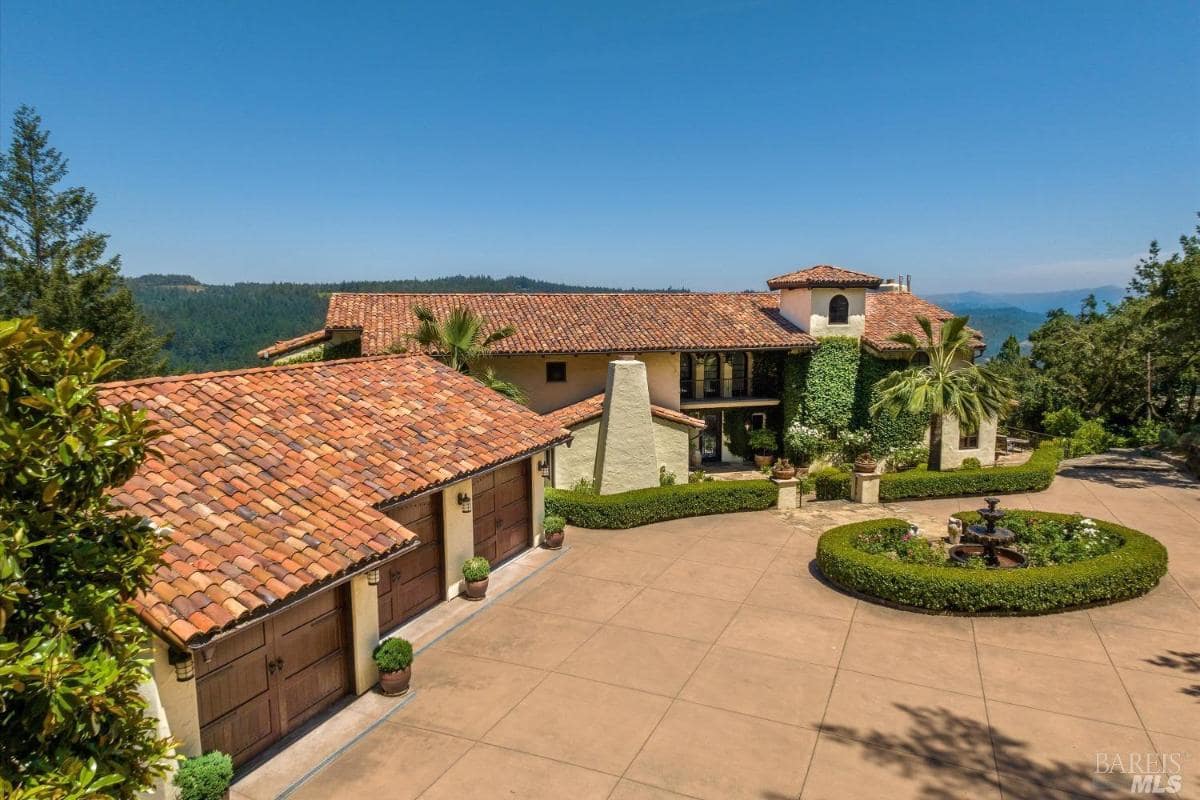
718 380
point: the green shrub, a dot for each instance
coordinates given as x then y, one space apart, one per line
553 523
644 506
393 655
584 486
1147 433
1034 475
905 458
1090 437
476 568
970 463
831 484
665 478
1062 423
699 476
1131 570
763 442
205 777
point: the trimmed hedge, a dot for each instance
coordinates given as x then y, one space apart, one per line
1131 570
831 484
1034 475
643 506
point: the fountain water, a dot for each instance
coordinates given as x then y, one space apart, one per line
988 541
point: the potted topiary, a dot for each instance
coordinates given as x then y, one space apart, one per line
475 572
553 526
762 442
205 777
394 658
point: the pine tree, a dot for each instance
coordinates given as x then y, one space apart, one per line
52 265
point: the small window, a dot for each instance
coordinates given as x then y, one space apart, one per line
556 371
839 310
968 441
758 421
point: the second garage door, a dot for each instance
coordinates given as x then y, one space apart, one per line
411 583
502 518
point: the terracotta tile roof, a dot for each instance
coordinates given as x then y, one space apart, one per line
592 407
584 323
287 345
267 479
889 313
824 275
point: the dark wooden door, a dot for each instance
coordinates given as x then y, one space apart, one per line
502 515
710 437
255 686
411 583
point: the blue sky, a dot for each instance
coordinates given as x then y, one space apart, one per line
707 144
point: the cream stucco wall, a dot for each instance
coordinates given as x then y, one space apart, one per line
173 701
579 460
586 377
364 632
625 458
458 536
809 308
952 457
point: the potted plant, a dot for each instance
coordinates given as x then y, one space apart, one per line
783 470
205 777
394 658
553 526
806 443
762 442
856 447
475 572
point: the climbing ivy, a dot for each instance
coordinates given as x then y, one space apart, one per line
888 431
829 387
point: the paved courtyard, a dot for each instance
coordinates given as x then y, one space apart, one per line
702 658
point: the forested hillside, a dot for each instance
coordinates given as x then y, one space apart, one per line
223 326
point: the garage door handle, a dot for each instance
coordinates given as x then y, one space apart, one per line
497 523
275 665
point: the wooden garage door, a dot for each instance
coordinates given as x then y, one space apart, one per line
411 583
262 682
502 518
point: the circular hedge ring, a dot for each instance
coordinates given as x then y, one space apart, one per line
1131 570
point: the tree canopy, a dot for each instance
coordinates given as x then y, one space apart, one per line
71 646
52 265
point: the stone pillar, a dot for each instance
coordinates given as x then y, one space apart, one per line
866 487
364 631
789 497
458 535
625 457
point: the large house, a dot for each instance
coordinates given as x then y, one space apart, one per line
308 510
711 358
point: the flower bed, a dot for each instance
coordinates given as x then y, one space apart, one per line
1081 563
643 506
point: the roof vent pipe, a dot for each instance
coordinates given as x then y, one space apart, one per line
908 283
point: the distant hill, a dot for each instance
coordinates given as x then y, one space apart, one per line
1037 302
220 326
997 324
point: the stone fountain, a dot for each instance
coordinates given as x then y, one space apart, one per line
988 541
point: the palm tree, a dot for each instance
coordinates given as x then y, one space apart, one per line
943 386
460 341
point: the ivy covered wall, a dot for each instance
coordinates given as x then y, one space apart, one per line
832 388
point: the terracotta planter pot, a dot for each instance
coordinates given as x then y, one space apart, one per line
865 463
763 461
783 473
394 684
553 541
476 590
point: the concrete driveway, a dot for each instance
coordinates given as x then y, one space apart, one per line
701 658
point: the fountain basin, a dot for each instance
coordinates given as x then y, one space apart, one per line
1005 557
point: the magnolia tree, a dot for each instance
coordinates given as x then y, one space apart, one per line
72 721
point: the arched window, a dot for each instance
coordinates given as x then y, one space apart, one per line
712 374
737 363
839 310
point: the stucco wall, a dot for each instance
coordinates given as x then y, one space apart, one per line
586 376
809 308
458 536
364 632
579 460
177 701
952 457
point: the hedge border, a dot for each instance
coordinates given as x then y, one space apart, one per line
1034 475
1130 571
660 503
